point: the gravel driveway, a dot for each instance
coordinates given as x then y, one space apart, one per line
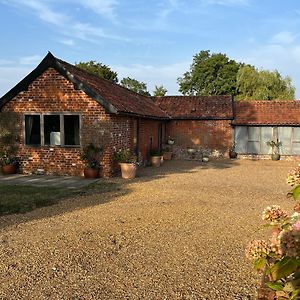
177 232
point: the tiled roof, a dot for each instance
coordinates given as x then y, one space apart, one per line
196 107
267 112
122 99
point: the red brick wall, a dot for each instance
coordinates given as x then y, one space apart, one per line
148 129
51 92
207 134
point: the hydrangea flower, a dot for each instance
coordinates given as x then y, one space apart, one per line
293 177
258 249
290 241
274 214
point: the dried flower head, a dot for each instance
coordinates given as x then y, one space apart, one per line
293 176
257 249
274 214
290 241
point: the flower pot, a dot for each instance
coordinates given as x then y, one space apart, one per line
155 161
9 169
128 170
275 156
171 142
90 173
205 159
232 154
168 155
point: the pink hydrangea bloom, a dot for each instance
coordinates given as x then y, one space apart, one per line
257 249
290 242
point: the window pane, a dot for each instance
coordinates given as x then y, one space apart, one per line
32 130
253 147
71 124
253 133
285 136
266 135
52 130
296 136
241 139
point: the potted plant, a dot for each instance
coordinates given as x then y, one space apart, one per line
8 160
167 153
232 153
275 149
155 157
91 155
127 161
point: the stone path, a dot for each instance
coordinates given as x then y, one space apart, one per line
44 180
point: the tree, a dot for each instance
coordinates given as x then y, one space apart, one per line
253 84
98 69
210 74
159 91
135 85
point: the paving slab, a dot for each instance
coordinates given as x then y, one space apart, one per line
69 182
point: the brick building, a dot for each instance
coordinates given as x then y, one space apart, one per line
59 108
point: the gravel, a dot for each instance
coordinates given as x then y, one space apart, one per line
177 232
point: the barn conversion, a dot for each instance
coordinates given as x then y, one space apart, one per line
59 108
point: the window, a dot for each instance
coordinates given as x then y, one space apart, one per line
33 130
52 130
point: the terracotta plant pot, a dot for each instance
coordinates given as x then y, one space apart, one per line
168 155
232 154
9 169
128 170
90 173
155 161
275 156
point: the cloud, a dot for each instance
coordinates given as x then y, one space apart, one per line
284 37
30 60
106 8
68 42
155 75
66 24
227 2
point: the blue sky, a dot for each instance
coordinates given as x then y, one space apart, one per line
152 41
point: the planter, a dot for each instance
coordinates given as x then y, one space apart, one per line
205 159
275 156
171 142
91 173
9 169
168 155
232 154
155 161
128 170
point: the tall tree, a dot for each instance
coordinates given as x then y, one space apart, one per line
98 69
210 74
135 85
253 84
159 91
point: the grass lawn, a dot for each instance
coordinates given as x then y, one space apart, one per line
21 198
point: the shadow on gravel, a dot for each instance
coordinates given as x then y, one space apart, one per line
107 190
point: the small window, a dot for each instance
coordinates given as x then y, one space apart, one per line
32 130
71 125
52 130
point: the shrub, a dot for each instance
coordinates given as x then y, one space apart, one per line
125 156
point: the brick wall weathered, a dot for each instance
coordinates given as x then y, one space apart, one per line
51 92
201 134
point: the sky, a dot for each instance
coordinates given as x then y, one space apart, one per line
151 41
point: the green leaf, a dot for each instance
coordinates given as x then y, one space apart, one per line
283 268
259 264
294 294
295 192
275 286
